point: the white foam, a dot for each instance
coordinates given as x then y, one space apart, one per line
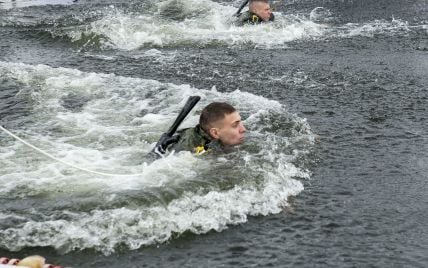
110 133
206 23
192 22
376 27
105 230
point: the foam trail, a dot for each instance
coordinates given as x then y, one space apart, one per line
192 23
175 23
110 122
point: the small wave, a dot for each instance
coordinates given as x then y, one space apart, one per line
321 15
105 230
377 27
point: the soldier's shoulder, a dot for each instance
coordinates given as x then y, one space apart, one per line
243 18
189 137
187 133
248 17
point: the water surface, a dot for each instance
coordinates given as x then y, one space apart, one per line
334 171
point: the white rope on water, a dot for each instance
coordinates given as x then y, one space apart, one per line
62 161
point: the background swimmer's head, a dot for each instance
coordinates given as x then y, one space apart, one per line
261 8
222 122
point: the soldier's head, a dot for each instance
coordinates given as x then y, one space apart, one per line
261 8
222 122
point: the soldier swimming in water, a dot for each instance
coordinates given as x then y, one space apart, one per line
259 11
219 127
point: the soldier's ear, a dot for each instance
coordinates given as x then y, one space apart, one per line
214 133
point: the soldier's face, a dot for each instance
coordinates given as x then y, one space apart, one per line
230 130
263 10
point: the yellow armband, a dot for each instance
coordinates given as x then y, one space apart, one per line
255 19
199 150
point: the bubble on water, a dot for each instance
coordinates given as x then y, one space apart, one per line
321 15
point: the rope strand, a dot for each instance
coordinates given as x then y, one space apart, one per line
62 161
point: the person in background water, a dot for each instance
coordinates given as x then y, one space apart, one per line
259 12
219 127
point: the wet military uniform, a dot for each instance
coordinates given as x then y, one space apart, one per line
195 140
249 17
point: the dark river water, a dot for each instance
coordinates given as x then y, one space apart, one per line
334 172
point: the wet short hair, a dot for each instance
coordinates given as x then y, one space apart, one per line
214 112
252 2
264 1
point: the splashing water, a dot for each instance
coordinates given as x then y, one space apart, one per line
109 123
